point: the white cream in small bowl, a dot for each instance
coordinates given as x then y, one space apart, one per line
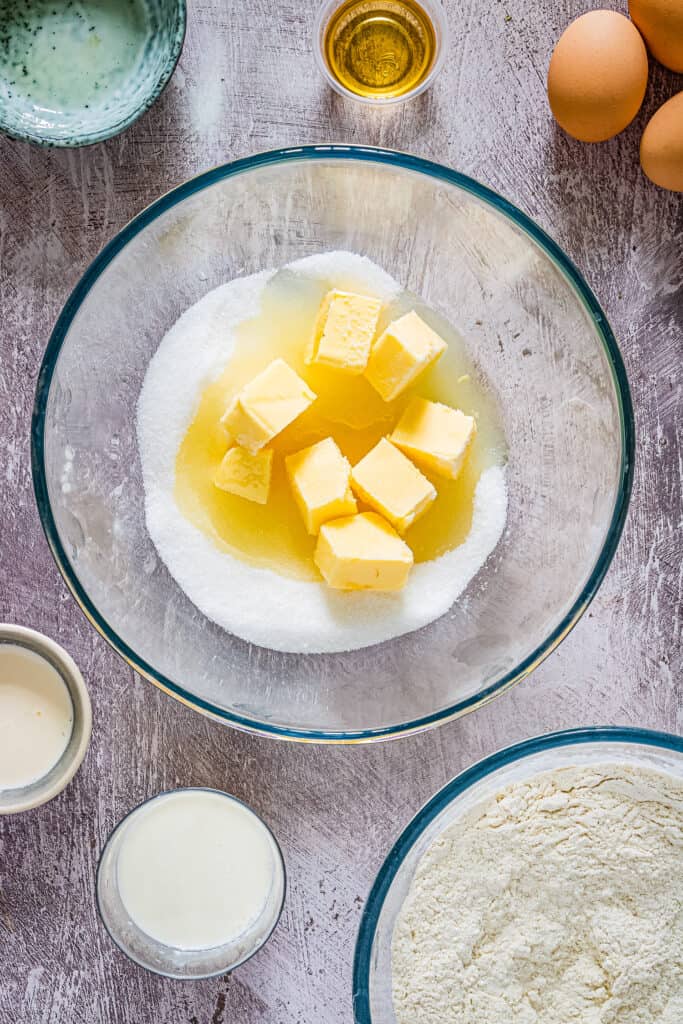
45 719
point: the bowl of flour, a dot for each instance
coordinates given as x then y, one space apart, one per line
151 327
544 885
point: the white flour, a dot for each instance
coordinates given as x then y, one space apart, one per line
257 604
559 901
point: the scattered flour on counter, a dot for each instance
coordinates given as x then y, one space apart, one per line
558 901
256 604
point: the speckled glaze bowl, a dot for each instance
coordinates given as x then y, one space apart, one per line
75 74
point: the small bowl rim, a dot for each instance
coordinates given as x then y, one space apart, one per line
52 652
92 138
279 857
402 161
461 782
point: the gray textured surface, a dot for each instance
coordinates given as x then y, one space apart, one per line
247 81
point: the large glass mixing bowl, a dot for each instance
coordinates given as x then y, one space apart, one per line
538 338
636 748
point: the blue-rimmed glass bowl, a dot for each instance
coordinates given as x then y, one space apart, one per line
372 963
539 340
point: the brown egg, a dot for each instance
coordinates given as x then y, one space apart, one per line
661 23
597 76
661 147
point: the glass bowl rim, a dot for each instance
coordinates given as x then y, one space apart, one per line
446 795
111 131
313 154
138 807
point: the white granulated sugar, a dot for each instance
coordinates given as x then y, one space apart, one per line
558 901
257 604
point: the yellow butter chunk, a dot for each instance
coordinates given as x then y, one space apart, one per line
401 353
362 552
435 436
265 406
245 474
319 477
389 483
344 331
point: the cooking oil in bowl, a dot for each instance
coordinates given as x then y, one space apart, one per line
380 49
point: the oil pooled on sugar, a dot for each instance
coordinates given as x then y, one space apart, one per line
347 408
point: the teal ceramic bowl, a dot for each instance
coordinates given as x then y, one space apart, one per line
75 73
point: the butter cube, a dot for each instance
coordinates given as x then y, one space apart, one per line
437 437
344 331
319 477
401 353
265 406
362 552
389 483
245 474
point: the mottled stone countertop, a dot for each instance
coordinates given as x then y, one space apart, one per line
247 82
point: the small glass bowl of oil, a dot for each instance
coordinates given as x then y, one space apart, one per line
380 51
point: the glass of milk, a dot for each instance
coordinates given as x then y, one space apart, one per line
191 883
